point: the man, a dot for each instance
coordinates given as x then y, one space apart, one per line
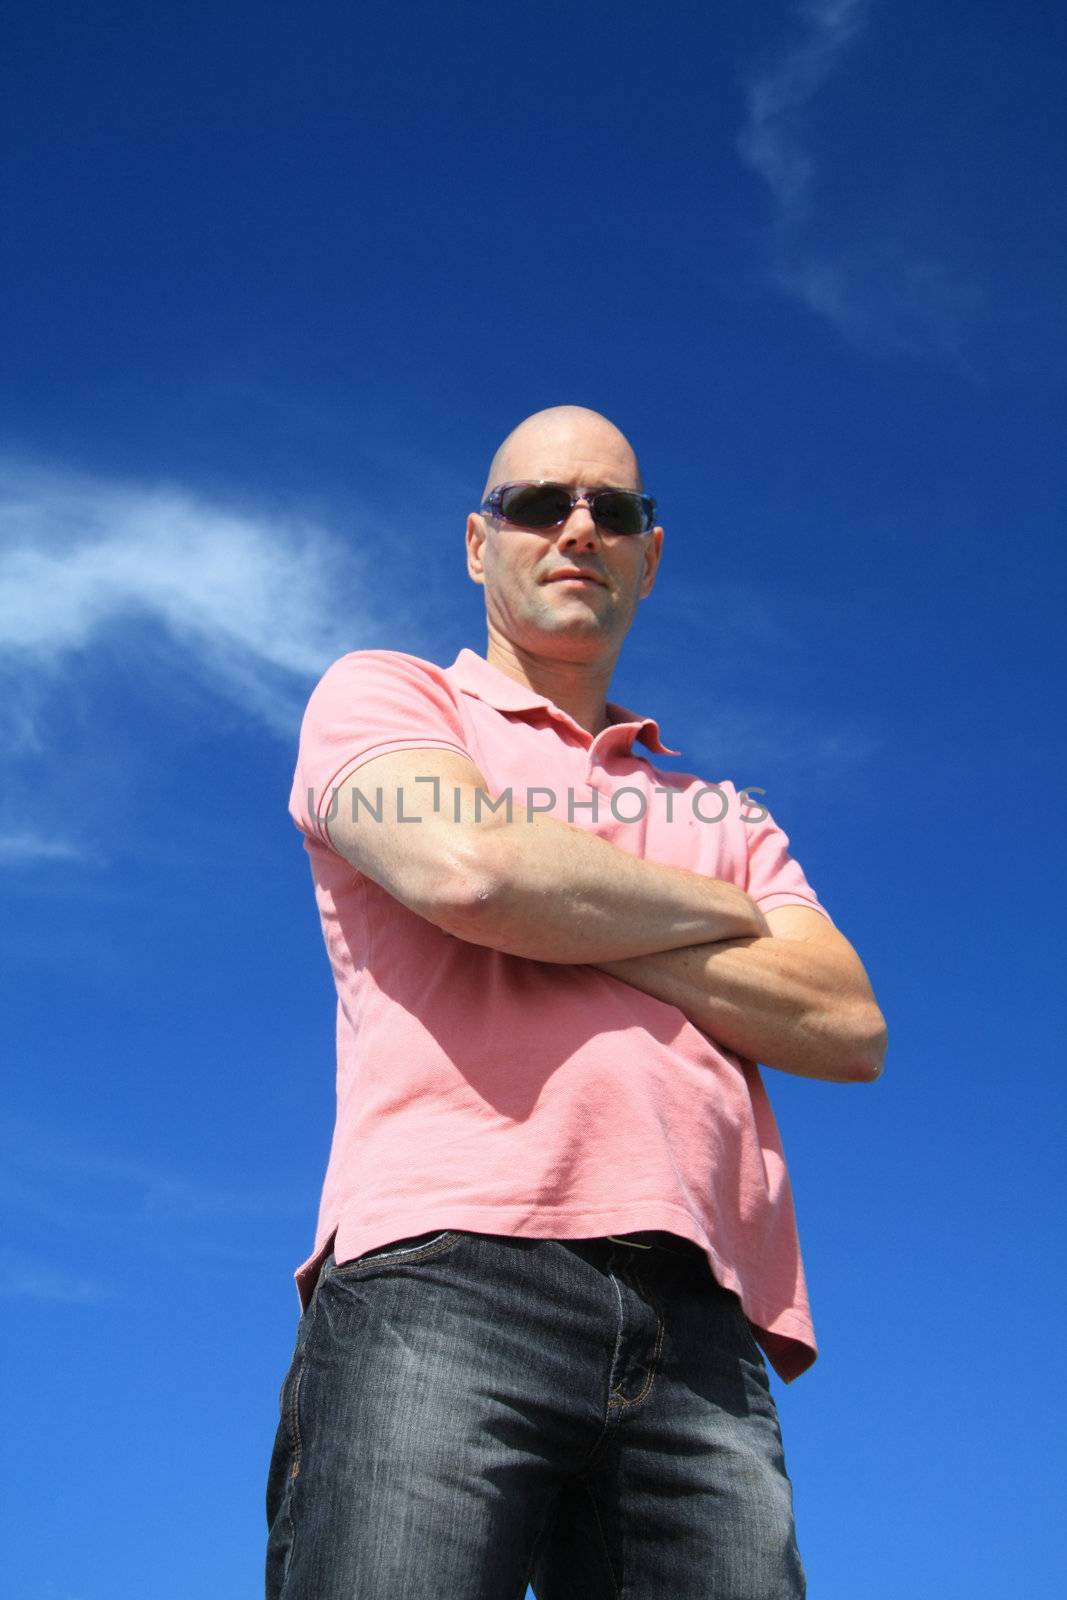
556 1227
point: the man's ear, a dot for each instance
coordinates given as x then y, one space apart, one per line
653 551
476 536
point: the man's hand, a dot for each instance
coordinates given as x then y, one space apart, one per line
797 999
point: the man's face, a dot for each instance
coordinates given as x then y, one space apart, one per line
526 601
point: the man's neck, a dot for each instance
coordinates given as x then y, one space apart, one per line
577 687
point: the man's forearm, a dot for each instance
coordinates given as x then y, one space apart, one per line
550 891
790 1004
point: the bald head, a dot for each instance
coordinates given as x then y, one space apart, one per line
560 442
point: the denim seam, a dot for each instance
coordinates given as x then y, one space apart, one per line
291 1525
541 1535
421 1252
608 1413
296 1438
617 1399
586 1485
618 1339
293 1419
614 1397
293 1413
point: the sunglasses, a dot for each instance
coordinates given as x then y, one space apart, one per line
546 505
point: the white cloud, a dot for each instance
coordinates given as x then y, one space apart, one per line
727 631
28 849
35 1283
876 284
250 603
53 1178
113 592
741 742
770 142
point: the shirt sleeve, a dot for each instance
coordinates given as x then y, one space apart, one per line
774 877
368 703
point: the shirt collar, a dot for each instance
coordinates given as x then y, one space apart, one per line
474 674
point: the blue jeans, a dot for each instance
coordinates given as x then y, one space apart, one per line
468 1412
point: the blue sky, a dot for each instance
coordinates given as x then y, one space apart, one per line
277 282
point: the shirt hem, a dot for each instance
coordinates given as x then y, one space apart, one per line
787 897
785 1334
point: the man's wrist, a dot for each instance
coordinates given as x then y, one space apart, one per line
737 916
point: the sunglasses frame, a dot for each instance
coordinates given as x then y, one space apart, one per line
491 504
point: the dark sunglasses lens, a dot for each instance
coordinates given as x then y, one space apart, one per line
620 513
535 506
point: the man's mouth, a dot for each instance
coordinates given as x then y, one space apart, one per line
573 576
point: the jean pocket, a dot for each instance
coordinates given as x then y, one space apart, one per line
416 1247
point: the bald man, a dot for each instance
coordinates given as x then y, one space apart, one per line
556 1237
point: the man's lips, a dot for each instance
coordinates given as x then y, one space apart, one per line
566 574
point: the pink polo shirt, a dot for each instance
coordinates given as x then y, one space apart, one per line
487 1092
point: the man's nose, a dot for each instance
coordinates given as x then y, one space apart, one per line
579 529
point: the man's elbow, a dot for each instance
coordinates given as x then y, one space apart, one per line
466 891
868 1042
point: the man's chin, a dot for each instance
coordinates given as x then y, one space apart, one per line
576 611
573 638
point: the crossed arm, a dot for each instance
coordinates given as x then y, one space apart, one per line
784 988
796 998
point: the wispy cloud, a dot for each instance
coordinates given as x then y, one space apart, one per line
29 849
877 285
49 1174
772 139
743 743
35 1283
747 616
249 601
173 599
737 631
